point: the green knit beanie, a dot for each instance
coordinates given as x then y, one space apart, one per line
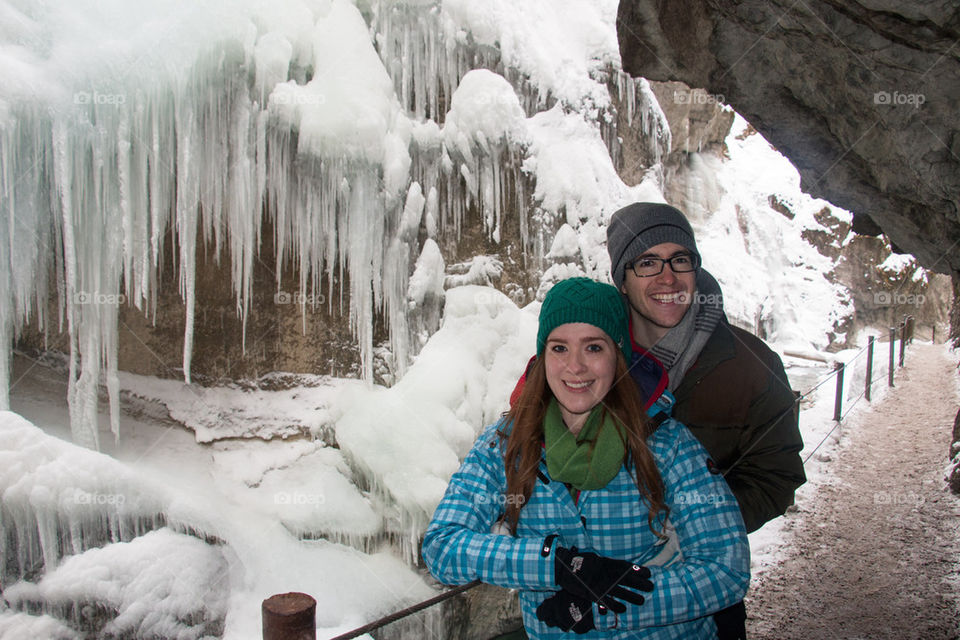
585 300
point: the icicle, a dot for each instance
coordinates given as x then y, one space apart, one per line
188 197
203 156
82 428
425 293
7 253
6 320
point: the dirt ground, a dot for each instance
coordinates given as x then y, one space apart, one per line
876 554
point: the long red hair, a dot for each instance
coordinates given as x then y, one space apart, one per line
524 442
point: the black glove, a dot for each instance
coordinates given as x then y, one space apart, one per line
600 579
568 612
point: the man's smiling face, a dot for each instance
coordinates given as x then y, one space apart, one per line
658 303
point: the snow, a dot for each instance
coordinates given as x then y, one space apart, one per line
565 245
304 485
896 262
484 117
485 108
769 273
409 439
559 54
54 495
310 406
276 494
16 626
155 583
900 263
428 274
481 270
348 108
822 437
120 554
572 168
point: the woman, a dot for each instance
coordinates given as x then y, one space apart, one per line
567 498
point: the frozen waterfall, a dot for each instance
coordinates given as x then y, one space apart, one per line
354 137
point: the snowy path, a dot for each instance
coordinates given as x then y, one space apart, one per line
876 553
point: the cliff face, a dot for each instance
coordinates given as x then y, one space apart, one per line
861 97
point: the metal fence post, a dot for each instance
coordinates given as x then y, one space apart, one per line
869 367
289 616
893 342
903 339
838 402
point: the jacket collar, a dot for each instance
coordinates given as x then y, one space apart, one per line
719 348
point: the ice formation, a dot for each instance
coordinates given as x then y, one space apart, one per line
121 549
408 439
58 499
161 584
340 133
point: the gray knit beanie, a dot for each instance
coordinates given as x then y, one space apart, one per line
640 226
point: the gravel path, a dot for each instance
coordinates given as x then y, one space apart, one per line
876 554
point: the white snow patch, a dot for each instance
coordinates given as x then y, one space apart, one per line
162 584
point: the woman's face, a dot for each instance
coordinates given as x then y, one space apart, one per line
580 362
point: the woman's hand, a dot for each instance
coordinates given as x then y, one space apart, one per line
599 579
567 612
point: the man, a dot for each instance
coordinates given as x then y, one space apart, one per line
731 390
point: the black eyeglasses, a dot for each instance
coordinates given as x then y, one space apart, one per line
647 266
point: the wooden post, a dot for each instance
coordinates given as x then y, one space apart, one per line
289 616
838 402
933 333
869 367
893 342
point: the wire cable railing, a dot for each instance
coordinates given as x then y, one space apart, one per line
905 330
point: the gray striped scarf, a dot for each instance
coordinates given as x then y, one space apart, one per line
679 349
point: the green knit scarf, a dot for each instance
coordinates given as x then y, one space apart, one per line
589 460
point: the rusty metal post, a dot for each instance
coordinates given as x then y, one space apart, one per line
838 402
893 342
289 616
869 368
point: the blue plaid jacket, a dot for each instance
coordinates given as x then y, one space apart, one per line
704 567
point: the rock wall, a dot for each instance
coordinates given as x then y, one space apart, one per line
955 312
281 334
860 96
953 472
